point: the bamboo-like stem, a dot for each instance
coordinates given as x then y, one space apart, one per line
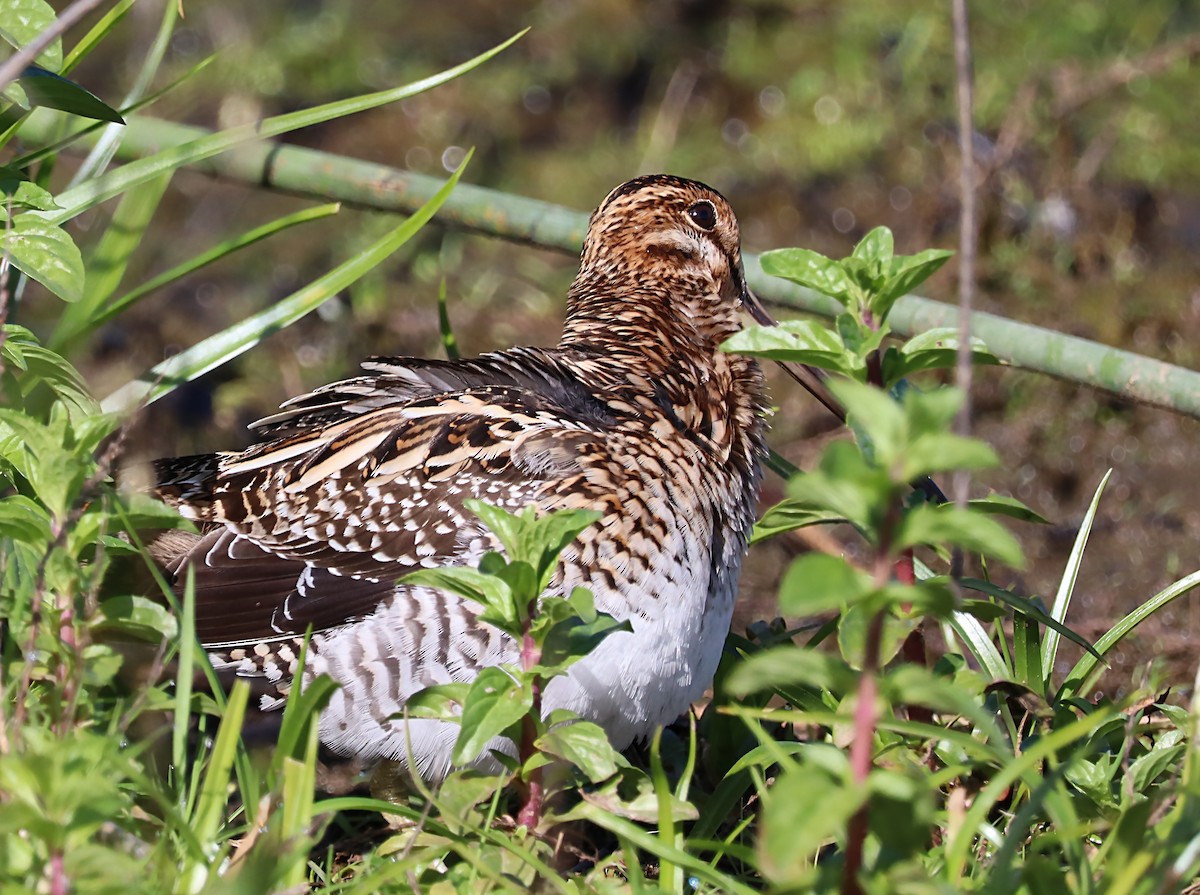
327 176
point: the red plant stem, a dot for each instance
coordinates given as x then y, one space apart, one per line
530 814
866 711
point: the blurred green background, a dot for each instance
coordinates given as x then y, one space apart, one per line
818 121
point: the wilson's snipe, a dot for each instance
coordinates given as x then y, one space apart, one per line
637 413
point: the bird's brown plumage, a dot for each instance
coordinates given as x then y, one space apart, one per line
636 413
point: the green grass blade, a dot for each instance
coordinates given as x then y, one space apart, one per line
222 347
57 146
183 677
208 819
670 877
650 843
1066 587
79 199
968 628
1087 670
1029 609
108 263
216 253
958 848
97 33
106 147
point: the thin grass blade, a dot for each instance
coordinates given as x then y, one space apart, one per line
1066 587
239 338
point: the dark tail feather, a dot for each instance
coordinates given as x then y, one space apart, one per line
186 479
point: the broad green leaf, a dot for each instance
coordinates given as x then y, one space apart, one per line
788 515
906 274
21 21
23 192
1003 505
138 616
46 253
495 702
873 411
854 625
40 366
930 525
843 485
818 582
566 636
45 88
442 702
584 745
810 269
900 810
943 451
909 684
790 665
239 338
24 520
799 341
793 833
489 591
875 249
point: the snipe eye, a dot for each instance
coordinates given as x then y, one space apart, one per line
703 214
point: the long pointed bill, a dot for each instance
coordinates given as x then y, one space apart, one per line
811 378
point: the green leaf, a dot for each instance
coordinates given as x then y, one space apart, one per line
442 702
788 515
853 627
584 745
22 519
44 88
874 412
942 451
947 524
843 485
1029 608
1003 505
495 702
789 665
138 616
23 192
46 253
221 250
810 269
571 633
818 582
906 274
21 21
792 832
490 591
1066 585
908 684
875 249
799 341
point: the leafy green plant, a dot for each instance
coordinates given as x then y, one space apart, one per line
553 634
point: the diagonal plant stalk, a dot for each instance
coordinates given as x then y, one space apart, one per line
331 177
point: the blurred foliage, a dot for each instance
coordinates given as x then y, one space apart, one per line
818 120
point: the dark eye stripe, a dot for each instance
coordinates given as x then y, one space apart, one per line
703 214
